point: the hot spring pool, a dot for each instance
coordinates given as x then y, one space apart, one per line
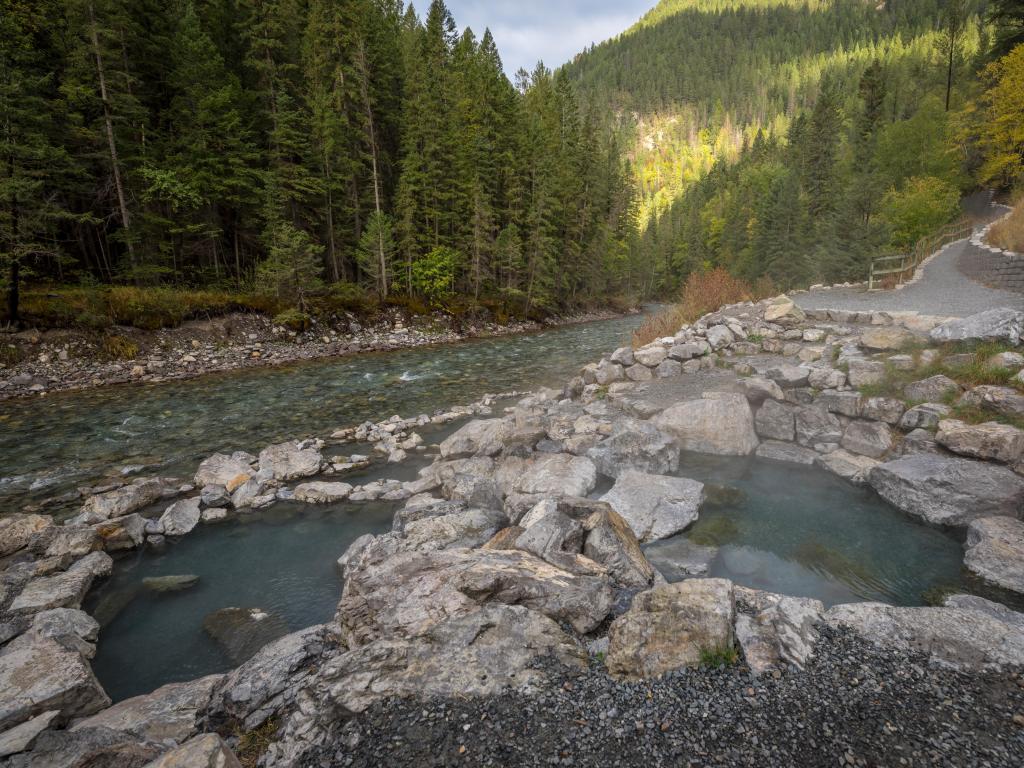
795 530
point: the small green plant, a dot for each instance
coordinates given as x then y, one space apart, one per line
721 656
118 348
294 320
755 338
601 393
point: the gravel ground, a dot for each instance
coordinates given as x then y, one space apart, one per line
854 705
943 290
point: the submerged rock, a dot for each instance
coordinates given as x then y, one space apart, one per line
679 558
670 627
241 632
655 506
176 583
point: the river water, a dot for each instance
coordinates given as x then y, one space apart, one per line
51 445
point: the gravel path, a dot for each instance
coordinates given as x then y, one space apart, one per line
943 290
855 705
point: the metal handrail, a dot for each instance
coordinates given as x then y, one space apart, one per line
923 248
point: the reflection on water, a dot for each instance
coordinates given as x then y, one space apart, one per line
801 531
281 560
52 444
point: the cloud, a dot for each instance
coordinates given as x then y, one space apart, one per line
552 31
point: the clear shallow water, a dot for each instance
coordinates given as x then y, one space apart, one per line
802 531
281 560
783 528
53 444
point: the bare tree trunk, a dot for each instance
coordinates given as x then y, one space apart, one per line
111 142
364 91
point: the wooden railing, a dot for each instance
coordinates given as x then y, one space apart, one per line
893 270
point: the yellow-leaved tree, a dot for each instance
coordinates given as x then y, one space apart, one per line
1001 134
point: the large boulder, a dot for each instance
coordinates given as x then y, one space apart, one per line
931 390
670 627
406 594
481 437
719 337
16 530
849 466
39 674
962 638
784 311
266 685
290 461
446 525
758 390
635 445
121 501
322 492
558 474
651 356
790 376
88 748
655 506
171 713
924 416
720 423
1005 401
886 338
776 421
1002 324
221 469
62 590
493 649
781 630
948 491
1000 442
817 428
206 751
995 551
868 438
181 517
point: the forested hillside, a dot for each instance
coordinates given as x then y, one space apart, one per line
794 140
300 148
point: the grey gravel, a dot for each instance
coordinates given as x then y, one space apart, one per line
853 705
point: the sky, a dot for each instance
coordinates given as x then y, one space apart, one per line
550 30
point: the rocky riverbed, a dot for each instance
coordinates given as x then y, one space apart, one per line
37 362
511 615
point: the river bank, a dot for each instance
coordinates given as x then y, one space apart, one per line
35 363
552 548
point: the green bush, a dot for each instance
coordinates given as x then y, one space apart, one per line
921 206
118 348
433 275
718 657
294 320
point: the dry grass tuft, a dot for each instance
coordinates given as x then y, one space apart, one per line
1009 233
704 292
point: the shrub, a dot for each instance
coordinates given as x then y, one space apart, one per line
921 206
433 276
294 320
714 658
10 354
118 348
704 292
